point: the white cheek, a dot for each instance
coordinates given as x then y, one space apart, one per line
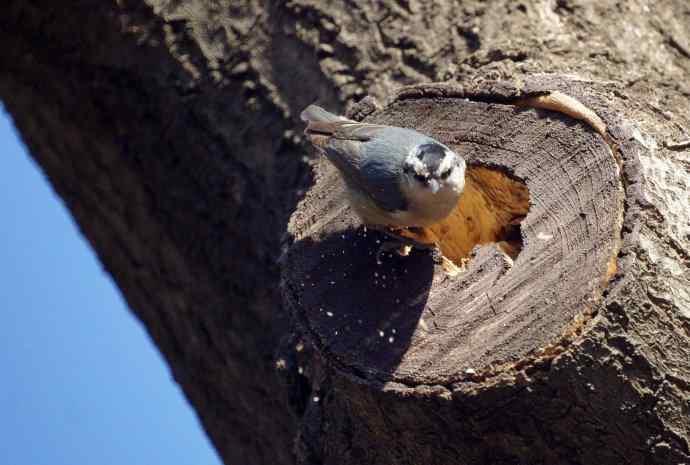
457 180
416 164
446 163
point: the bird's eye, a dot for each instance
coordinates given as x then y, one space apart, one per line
445 174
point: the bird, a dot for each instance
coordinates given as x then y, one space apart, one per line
395 177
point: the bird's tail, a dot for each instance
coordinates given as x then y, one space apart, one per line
314 113
320 121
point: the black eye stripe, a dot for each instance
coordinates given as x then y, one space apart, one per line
433 150
432 155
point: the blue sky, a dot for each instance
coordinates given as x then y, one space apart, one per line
80 382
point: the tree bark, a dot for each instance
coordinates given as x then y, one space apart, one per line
170 131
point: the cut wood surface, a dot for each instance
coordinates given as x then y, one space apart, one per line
405 320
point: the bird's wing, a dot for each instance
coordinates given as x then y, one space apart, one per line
320 121
367 165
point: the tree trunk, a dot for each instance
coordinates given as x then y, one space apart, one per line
169 129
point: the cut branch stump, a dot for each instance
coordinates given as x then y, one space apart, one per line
505 362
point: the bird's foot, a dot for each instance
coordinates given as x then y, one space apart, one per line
420 237
402 248
399 241
403 239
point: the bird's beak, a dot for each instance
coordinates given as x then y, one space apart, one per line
434 185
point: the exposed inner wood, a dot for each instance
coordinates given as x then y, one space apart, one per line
406 320
489 211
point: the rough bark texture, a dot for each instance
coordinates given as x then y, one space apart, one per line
169 129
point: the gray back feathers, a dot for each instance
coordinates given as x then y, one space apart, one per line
369 156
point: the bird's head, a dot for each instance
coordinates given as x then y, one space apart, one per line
434 168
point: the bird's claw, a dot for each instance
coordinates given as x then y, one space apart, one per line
396 242
400 247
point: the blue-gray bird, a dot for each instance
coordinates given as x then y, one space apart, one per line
395 177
